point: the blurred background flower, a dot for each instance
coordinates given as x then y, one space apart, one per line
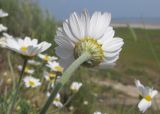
112 91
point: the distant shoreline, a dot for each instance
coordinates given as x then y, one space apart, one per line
136 25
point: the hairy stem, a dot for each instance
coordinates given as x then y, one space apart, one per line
15 93
65 77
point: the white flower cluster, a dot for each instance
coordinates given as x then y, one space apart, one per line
57 100
31 82
2 27
27 47
79 34
75 86
97 112
3 14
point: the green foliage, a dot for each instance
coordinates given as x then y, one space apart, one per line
27 19
23 107
138 60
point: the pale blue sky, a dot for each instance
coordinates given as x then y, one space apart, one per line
119 8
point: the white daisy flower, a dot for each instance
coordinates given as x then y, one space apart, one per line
147 93
49 75
71 108
27 69
3 14
82 33
3 28
75 86
27 47
57 100
54 66
31 82
47 58
97 112
33 62
85 102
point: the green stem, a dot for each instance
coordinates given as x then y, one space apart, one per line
12 71
131 109
65 77
15 93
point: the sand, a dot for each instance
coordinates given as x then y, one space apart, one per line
137 25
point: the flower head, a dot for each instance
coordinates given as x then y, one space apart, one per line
31 82
49 76
147 93
33 62
85 102
27 47
27 69
55 66
75 86
71 108
97 112
82 33
47 57
2 13
57 100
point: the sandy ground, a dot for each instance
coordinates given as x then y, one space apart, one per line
130 97
137 25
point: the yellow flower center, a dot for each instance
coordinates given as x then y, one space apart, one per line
91 45
52 75
57 100
148 98
58 68
23 48
46 58
31 83
26 70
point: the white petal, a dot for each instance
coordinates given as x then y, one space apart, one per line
107 18
140 87
113 45
154 93
104 65
3 42
44 46
61 41
86 22
67 31
34 42
110 60
62 35
143 91
63 52
76 25
99 24
144 105
31 51
3 28
66 62
2 13
12 43
113 53
94 24
27 40
108 35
